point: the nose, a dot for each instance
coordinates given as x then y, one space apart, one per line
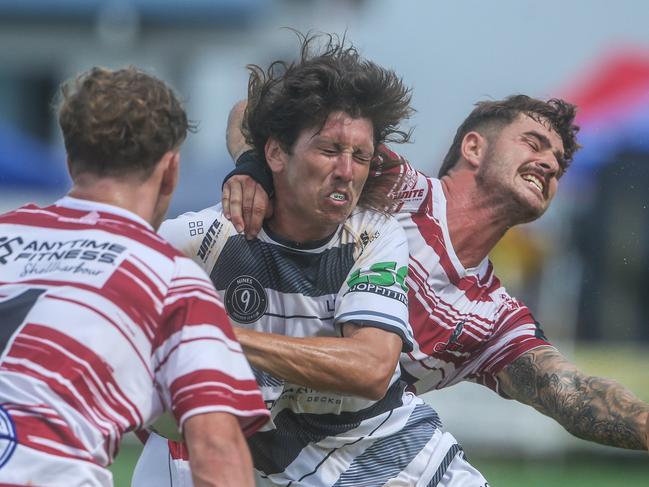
343 169
549 165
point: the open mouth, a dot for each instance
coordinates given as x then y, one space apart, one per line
336 196
535 182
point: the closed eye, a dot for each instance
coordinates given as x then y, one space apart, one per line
362 158
532 144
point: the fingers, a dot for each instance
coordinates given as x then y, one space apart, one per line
248 194
259 208
245 204
225 198
232 202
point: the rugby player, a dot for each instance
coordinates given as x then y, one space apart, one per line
319 299
104 324
502 170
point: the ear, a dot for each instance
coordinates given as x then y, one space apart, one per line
473 148
170 165
276 157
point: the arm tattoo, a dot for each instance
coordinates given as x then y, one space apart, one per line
592 408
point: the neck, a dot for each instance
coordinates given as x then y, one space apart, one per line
295 228
476 221
131 194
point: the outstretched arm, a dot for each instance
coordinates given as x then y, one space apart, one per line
360 363
592 408
245 202
234 138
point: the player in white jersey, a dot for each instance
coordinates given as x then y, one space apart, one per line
104 324
319 298
502 170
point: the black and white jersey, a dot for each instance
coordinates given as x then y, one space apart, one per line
276 286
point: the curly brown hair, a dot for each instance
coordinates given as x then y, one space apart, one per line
288 98
119 122
559 114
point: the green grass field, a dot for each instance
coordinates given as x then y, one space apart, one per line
573 471
629 365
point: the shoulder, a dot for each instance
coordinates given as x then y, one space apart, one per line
371 224
193 223
376 235
195 233
414 190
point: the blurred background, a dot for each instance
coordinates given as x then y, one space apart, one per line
583 268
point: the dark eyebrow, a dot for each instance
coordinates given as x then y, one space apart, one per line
336 145
546 144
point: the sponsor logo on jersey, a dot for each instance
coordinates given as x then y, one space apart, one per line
245 299
366 287
452 345
43 257
410 194
380 274
8 437
209 239
88 250
6 247
195 228
307 395
511 303
71 256
367 238
379 279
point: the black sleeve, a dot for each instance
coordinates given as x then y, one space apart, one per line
248 164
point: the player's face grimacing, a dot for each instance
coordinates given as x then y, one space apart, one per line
319 182
523 164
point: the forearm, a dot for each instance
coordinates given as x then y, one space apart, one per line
592 408
234 138
343 365
218 453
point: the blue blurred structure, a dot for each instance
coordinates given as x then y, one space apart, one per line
613 101
224 12
610 182
27 162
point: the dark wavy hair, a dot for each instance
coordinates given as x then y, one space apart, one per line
487 115
119 122
329 76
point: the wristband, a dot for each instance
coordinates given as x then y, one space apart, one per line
246 157
247 164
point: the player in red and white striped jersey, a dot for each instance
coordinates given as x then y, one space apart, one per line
467 326
104 324
502 170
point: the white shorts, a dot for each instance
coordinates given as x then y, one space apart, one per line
443 461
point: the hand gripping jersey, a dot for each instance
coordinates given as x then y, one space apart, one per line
321 438
466 325
103 326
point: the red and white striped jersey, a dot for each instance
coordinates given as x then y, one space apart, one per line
103 326
466 325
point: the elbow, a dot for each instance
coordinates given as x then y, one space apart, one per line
375 384
375 393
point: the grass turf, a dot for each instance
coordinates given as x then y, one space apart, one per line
571 471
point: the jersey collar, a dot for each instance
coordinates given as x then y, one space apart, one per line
89 205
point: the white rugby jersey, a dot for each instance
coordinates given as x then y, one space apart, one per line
103 326
272 285
466 325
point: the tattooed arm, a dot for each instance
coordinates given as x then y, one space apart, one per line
592 408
